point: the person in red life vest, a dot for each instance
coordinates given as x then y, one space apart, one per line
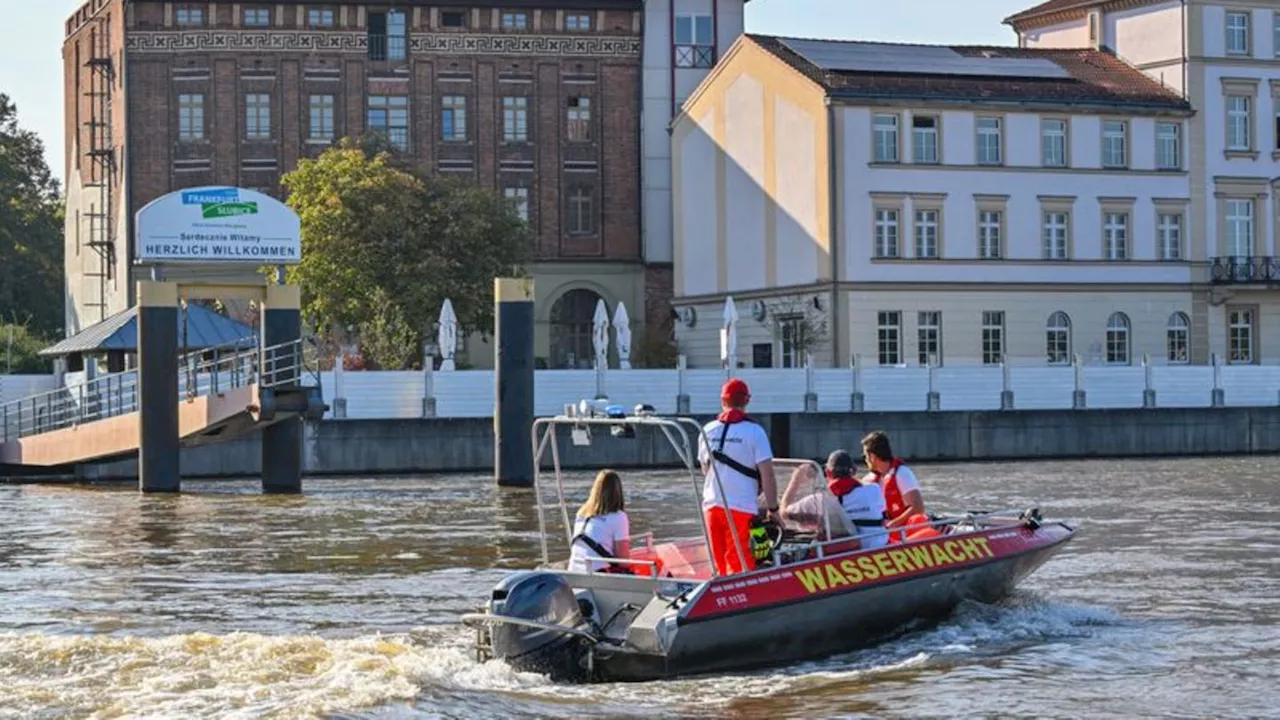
738 466
904 504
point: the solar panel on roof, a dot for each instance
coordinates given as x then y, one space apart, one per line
914 59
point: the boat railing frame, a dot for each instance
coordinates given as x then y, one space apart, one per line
677 432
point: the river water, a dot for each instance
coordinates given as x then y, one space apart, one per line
342 603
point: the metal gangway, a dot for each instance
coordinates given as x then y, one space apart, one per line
207 373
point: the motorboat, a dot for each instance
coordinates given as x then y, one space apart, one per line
816 593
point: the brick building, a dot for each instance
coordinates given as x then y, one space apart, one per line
541 101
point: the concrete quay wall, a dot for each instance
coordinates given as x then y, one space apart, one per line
442 445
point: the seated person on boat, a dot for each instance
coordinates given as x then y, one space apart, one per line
863 502
904 504
601 530
806 500
738 467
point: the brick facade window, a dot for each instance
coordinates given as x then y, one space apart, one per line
453 118
320 17
579 119
389 117
191 117
577 21
189 15
695 43
518 198
386 38
453 19
581 211
515 119
257 17
515 21
321 107
257 119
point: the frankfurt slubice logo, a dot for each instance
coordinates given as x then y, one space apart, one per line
219 203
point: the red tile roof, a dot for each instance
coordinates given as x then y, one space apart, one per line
1094 78
1050 7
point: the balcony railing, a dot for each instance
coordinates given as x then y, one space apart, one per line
695 56
1240 269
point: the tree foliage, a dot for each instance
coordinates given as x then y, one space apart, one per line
383 245
31 212
20 351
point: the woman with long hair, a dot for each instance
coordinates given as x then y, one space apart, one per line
601 530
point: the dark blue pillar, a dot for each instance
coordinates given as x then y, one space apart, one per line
158 434
282 368
513 382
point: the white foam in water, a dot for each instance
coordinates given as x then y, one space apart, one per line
248 675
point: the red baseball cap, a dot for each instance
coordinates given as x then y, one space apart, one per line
733 387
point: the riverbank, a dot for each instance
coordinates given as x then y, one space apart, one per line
374 447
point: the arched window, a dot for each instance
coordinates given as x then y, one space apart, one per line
1118 339
571 321
1058 339
1178 339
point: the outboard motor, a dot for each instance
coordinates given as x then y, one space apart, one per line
545 598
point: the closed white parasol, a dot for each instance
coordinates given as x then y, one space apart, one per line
447 336
622 336
729 336
600 335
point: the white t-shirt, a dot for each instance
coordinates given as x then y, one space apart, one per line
906 479
746 443
607 530
866 503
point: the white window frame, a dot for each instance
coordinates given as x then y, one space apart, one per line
1241 228
1239 120
1115 235
694 40
320 111
453 118
1115 142
577 21
1118 348
1056 234
518 197
1237 32
990 232
988 141
1177 338
1241 338
1057 339
888 235
993 347
190 117
257 116
924 140
578 119
515 119
1053 142
889 337
929 338
395 108
188 16
1168 146
791 341
320 17
885 143
927 223
256 17
1169 235
515 20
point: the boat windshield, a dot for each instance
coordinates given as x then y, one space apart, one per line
808 511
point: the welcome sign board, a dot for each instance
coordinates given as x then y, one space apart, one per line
218 225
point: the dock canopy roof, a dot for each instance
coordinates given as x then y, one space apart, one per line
204 329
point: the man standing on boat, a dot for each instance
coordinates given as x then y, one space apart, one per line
739 469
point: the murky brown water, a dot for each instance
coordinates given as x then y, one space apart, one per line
222 603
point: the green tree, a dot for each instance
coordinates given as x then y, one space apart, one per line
31 212
20 351
377 232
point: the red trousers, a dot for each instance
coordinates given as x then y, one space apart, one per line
722 531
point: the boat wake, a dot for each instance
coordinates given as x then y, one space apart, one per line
431 673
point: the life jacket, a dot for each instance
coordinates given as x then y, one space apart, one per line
893 503
729 417
841 487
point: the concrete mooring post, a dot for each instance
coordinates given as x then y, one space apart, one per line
513 382
158 434
282 441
